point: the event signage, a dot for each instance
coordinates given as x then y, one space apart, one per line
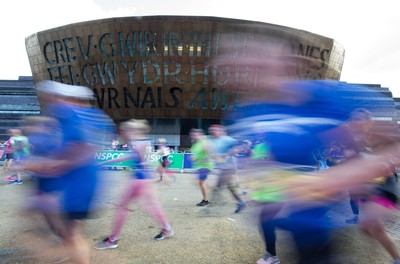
152 159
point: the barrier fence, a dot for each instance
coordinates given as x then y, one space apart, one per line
178 161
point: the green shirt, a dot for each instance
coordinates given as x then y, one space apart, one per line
21 145
200 155
260 151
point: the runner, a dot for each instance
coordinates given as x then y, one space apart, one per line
295 197
201 161
9 154
224 153
21 151
82 127
164 151
141 187
379 197
44 134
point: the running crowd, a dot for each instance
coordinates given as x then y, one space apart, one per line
299 158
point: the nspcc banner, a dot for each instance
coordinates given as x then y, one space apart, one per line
107 155
151 159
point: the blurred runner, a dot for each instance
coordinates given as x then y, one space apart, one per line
83 130
164 151
297 118
379 197
44 134
9 154
223 154
201 161
140 188
294 197
21 150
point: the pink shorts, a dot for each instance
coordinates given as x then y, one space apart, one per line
383 201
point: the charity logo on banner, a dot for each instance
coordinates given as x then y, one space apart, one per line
152 159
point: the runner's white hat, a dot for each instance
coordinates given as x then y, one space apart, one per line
66 90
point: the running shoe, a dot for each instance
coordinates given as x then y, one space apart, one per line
268 259
10 178
203 203
240 207
353 220
15 182
106 244
164 234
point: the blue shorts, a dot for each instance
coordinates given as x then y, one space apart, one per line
142 174
202 174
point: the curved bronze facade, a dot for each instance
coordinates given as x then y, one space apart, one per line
163 67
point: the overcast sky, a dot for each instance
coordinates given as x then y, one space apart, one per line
369 30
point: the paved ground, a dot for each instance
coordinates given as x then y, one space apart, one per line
223 238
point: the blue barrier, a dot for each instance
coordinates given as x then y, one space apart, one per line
187 160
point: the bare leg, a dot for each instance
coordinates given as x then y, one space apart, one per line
151 204
373 225
18 176
228 179
8 164
160 170
132 192
48 205
76 244
203 189
171 175
5 165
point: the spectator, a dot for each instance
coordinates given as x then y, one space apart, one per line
9 153
114 144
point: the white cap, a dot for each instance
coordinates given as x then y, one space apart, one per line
63 89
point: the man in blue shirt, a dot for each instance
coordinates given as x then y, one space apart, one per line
309 119
224 156
84 129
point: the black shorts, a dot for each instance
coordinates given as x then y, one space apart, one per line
165 162
388 189
390 196
9 155
77 215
